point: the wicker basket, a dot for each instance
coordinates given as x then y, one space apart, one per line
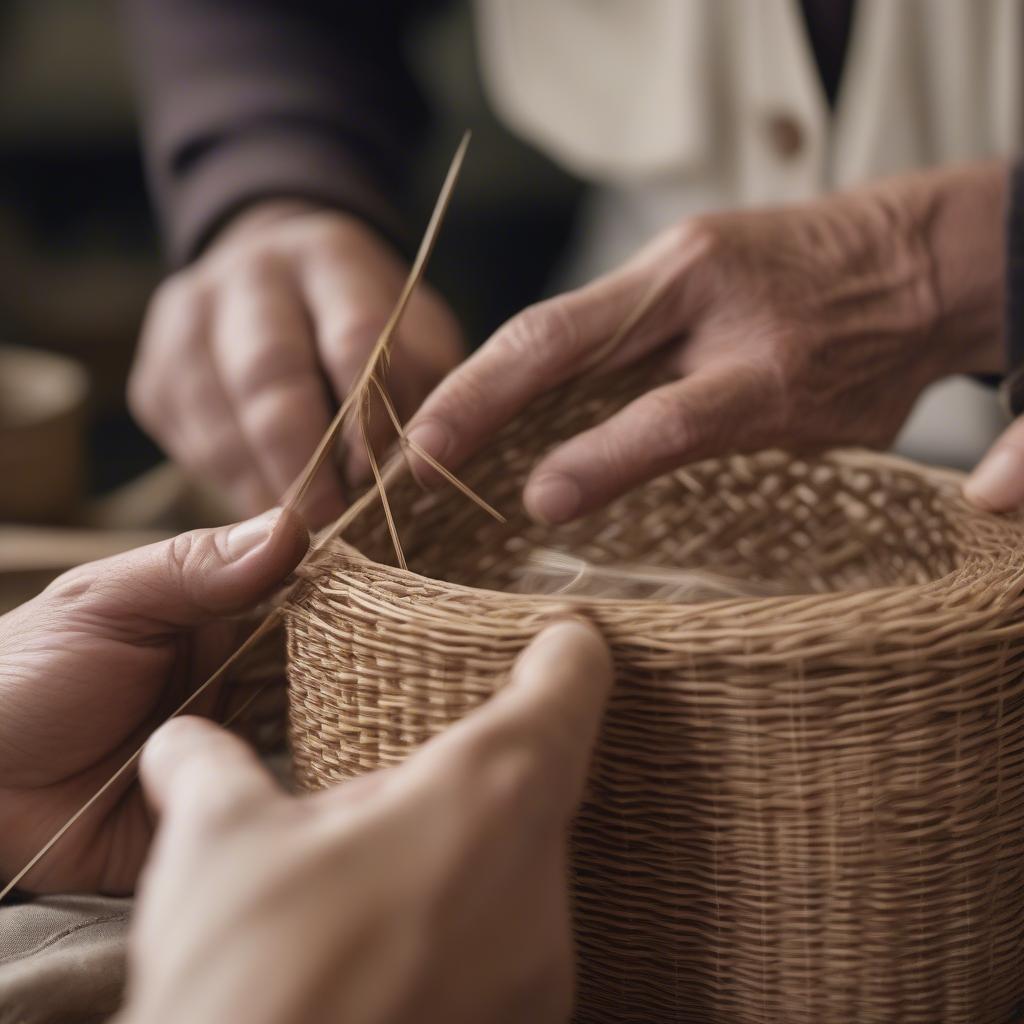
805 808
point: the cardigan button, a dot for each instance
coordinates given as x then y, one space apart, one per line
785 135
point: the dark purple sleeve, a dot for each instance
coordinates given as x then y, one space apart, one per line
244 100
1012 388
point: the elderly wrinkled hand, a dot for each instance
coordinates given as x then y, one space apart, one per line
94 663
797 327
431 892
243 350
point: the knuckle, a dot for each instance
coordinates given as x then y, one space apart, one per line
256 264
702 236
327 241
268 409
73 585
268 368
353 334
334 238
541 330
189 557
176 309
275 405
250 260
177 289
677 427
700 252
182 555
466 398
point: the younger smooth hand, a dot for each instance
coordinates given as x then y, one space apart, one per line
93 664
433 893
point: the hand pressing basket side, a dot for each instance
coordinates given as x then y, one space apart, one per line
804 809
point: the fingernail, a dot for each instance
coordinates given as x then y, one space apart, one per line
433 438
248 536
554 498
998 482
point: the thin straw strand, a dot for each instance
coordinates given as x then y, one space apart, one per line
298 489
381 490
407 442
654 292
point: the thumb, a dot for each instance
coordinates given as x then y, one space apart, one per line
192 578
997 484
195 770
557 693
550 711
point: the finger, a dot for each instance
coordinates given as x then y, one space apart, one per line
544 346
349 311
175 326
997 484
717 410
192 770
188 580
177 395
550 711
264 351
210 441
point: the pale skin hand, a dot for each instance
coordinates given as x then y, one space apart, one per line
245 354
433 893
800 327
92 665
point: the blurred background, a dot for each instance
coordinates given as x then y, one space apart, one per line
79 247
80 258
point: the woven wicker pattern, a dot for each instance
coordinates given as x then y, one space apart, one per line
806 808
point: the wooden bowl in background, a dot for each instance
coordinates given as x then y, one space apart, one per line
42 436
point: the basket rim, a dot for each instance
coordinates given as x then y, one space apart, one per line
832 602
853 458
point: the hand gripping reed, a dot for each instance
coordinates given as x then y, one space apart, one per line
353 407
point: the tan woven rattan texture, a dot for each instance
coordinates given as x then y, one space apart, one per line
806 808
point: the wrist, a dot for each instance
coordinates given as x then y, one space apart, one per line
956 217
253 222
255 217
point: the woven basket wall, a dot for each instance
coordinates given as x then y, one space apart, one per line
804 808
